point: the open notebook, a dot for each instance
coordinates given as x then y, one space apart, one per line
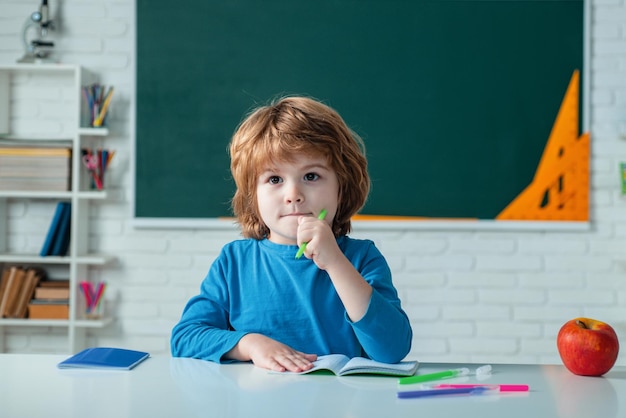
342 365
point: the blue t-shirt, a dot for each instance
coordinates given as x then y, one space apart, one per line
257 286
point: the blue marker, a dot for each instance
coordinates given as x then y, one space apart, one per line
479 390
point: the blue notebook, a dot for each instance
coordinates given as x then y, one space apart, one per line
62 238
54 229
104 358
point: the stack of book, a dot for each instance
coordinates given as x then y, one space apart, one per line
17 286
51 300
58 237
35 167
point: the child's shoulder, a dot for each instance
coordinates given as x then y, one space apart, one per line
360 252
239 245
349 241
236 251
250 245
351 245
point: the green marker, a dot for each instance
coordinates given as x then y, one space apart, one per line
321 217
433 376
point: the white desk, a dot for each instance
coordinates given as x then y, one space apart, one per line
31 386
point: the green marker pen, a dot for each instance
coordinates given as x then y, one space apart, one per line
433 376
321 217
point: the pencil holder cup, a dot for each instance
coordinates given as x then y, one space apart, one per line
96 312
95 104
95 164
92 299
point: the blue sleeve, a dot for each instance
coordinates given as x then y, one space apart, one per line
385 331
203 331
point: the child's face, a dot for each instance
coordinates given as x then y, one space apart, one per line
288 190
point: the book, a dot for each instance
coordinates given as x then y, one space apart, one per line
46 249
30 281
34 151
55 283
11 292
48 293
62 239
3 281
342 365
38 184
49 309
105 358
33 167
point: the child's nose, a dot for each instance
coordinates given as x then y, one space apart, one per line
294 194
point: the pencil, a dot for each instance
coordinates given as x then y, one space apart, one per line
103 111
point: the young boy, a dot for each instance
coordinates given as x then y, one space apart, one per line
291 160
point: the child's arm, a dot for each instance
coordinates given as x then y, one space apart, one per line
203 333
366 291
204 330
322 248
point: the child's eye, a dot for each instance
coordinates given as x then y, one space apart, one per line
311 176
274 180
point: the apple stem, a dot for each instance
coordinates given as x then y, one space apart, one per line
581 324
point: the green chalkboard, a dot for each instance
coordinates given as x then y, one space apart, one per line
455 99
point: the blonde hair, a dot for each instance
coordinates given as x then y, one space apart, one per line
278 131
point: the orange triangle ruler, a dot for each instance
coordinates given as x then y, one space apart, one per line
559 190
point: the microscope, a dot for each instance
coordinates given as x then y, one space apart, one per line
36 48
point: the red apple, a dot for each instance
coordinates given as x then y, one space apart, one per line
588 347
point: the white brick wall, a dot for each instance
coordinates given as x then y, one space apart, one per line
484 296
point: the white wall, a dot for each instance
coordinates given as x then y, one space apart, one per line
483 296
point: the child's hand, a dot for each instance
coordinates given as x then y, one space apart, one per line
321 244
273 355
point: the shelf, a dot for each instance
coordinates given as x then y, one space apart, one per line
87 259
35 195
39 68
94 259
93 131
85 131
87 194
96 194
61 141
67 80
80 323
93 323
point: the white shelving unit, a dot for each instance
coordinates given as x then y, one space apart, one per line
64 82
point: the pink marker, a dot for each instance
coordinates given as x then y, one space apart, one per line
501 388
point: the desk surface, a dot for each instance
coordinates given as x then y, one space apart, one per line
31 386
